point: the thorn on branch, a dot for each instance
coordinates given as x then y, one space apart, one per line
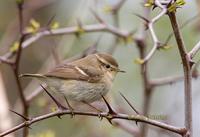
70 107
51 20
99 19
80 29
20 4
60 106
92 49
25 118
110 109
130 106
181 27
141 17
195 73
6 61
129 103
51 25
111 112
154 7
191 63
145 19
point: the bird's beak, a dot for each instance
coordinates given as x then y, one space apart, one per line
122 71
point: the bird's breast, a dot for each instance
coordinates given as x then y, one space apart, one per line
83 90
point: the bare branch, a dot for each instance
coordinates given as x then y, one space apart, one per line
6 61
152 32
138 118
181 27
15 65
187 72
118 6
166 80
72 30
169 80
147 90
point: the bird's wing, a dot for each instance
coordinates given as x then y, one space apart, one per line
68 71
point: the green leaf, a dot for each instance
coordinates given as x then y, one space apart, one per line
14 47
107 9
139 61
149 3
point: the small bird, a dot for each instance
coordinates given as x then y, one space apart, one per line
83 80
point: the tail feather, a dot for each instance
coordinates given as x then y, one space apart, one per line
32 75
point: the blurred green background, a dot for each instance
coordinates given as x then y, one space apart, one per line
166 100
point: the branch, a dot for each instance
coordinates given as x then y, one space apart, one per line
115 13
6 61
147 90
169 80
118 6
152 32
187 72
100 27
194 50
166 80
15 64
138 118
188 21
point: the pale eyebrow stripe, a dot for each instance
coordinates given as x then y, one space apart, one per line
104 61
100 59
81 71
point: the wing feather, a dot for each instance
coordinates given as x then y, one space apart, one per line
69 71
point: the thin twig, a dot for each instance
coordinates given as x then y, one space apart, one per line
181 27
147 90
15 66
194 50
152 32
115 13
6 61
169 80
100 27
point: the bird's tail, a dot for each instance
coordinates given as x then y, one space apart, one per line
32 75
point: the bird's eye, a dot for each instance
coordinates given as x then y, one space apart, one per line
107 66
